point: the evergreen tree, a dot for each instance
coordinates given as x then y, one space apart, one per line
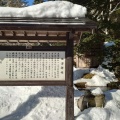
107 14
38 1
102 11
13 3
3 2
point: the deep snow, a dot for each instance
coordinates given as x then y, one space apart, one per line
50 9
32 103
101 77
48 103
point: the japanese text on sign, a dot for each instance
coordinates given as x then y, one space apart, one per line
32 65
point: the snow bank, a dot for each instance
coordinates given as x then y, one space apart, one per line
101 78
51 9
48 103
30 103
105 73
94 81
97 91
111 111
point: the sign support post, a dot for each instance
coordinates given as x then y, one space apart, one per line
69 78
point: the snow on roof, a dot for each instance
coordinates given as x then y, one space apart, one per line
50 9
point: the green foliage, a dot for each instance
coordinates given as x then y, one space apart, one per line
38 1
13 3
107 14
89 41
91 45
112 53
114 29
2 2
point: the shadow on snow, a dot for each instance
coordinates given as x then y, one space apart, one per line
26 107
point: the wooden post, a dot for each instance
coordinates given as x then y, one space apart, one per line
69 78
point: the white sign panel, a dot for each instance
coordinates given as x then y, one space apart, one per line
32 65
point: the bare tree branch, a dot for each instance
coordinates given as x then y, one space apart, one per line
115 8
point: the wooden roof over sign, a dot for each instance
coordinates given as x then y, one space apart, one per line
52 29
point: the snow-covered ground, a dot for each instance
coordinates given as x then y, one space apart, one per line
51 9
101 77
48 103
112 97
32 103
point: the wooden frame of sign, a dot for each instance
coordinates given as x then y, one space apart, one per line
33 30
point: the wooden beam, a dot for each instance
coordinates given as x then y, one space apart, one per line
47 27
32 83
31 41
69 78
32 37
34 48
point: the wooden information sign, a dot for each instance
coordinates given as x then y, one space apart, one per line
32 65
40 65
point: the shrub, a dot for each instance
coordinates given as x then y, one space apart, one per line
90 45
112 53
88 76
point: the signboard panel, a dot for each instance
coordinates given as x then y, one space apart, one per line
32 65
